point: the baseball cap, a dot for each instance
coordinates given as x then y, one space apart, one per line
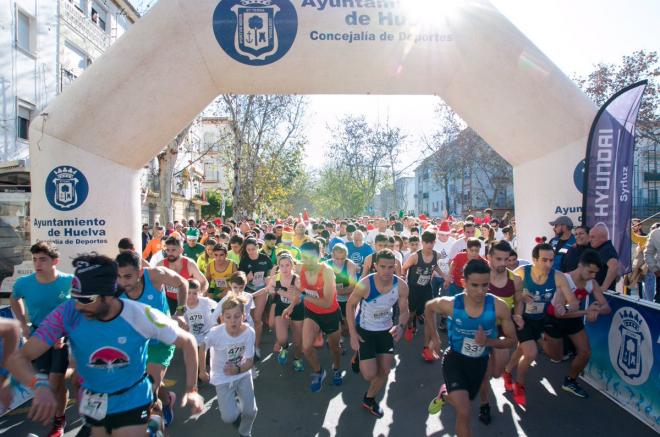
562 220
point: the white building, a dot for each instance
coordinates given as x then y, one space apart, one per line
405 194
44 46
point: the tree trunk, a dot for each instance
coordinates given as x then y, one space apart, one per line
166 163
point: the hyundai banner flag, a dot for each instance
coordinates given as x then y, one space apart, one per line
608 172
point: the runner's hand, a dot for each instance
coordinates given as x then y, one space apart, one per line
181 322
396 331
195 400
527 297
592 312
355 342
287 313
519 321
43 406
480 337
250 276
59 344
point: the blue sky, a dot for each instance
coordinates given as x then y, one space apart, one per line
575 34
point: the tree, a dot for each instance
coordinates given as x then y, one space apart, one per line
264 150
166 163
607 79
214 207
359 154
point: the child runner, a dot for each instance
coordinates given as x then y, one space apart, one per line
232 357
199 315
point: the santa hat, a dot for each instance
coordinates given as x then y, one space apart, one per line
218 222
305 215
423 217
444 228
477 220
370 227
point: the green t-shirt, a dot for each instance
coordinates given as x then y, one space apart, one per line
193 252
233 256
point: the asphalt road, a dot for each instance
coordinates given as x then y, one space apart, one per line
288 408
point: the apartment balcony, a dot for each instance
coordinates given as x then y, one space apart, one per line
83 25
66 78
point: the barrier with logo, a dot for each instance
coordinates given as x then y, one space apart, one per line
625 357
22 394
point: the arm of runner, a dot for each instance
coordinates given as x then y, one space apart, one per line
352 275
360 292
366 267
599 306
404 312
18 308
572 303
187 344
411 261
440 305
518 302
168 277
10 331
397 267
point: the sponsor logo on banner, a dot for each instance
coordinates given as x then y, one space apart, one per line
255 32
66 188
630 346
578 176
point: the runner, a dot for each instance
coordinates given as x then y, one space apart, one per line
235 244
219 271
358 250
419 269
540 283
199 316
207 257
345 279
232 358
458 262
372 331
257 267
184 267
381 241
147 285
40 293
322 313
192 249
508 287
282 284
299 235
269 247
472 332
443 245
109 337
581 282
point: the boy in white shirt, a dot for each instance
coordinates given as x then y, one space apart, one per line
199 316
232 357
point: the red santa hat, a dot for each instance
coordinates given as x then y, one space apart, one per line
444 228
423 217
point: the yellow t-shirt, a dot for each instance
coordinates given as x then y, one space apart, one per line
219 281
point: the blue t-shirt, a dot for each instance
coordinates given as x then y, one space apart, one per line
358 254
111 355
40 299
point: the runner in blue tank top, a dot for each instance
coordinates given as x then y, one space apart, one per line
540 282
148 286
472 331
109 338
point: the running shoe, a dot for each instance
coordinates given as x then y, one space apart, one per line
281 357
428 355
519 395
154 425
298 365
564 358
168 410
372 406
508 381
484 414
58 427
337 377
409 333
571 386
436 404
317 381
355 363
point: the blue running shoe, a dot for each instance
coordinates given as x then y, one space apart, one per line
337 377
317 381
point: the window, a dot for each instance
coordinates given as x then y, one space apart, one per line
99 15
25 32
653 197
81 5
210 172
23 117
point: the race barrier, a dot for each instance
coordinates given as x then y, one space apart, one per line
625 356
22 394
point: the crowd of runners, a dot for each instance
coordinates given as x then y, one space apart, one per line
107 334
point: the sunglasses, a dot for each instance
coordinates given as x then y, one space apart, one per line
85 300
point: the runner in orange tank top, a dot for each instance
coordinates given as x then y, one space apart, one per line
322 314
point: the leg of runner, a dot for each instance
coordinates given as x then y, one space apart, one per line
529 351
201 354
460 400
126 431
510 367
581 342
383 365
260 303
310 331
298 365
157 374
282 334
335 354
58 386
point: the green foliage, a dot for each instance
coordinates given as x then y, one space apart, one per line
214 208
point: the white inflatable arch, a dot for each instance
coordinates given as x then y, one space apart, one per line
88 146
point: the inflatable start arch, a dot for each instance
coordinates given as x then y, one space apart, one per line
89 145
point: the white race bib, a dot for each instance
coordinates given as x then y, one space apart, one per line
534 308
381 315
312 293
94 405
283 298
258 279
471 348
220 283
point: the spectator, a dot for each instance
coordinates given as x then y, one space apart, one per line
600 241
146 236
572 257
562 240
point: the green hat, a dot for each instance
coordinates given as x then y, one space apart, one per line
192 234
